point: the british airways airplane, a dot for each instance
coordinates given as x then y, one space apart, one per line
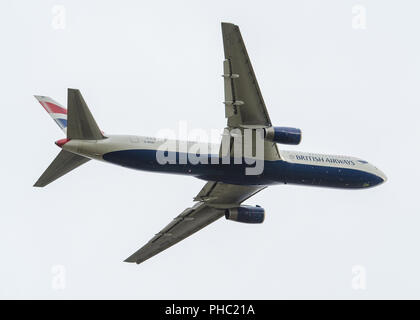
228 183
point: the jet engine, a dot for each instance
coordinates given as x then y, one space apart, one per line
246 214
284 135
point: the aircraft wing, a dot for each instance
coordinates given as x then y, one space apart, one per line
244 103
243 100
214 198
244 108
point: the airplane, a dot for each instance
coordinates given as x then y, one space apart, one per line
228 185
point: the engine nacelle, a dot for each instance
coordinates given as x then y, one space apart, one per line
284 135
246 214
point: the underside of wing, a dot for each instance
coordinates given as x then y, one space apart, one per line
214 198
223 195
188 222
244 103
243 99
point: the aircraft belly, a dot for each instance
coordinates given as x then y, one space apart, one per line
275 172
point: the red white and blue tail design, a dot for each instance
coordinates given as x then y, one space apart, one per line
55 110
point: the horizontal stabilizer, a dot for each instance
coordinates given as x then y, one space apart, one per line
62 164
80 122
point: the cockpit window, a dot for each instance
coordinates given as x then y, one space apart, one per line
363 161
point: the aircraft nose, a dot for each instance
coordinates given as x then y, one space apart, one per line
381 175
374 179
377 177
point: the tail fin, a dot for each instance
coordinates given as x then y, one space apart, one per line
55 110
62 164
78 123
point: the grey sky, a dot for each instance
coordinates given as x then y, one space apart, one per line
143 66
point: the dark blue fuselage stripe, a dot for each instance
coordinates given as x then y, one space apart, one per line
275 172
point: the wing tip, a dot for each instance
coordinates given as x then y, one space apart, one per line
229 25
38 184
130 260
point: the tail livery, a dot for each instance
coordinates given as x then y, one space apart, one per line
55 110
